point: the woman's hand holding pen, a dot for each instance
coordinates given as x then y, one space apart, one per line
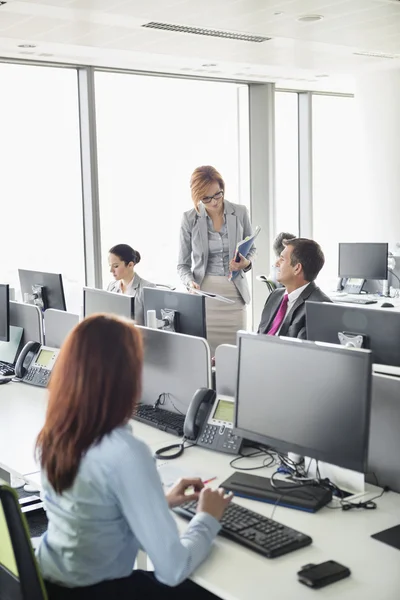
238 266
177 495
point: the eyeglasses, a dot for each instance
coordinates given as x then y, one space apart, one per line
216 196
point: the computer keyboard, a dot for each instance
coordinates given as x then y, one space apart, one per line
355 300
160 419
6 368
250 529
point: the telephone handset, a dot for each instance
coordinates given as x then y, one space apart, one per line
209 421
35 363
197 413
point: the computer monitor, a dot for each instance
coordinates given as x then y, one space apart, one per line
10 350
182 312
100 301
374 328
303 397
4 312
46 290
363 261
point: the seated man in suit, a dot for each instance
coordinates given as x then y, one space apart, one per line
285 311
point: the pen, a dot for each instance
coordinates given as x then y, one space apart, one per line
209 480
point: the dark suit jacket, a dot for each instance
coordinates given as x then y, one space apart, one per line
294 324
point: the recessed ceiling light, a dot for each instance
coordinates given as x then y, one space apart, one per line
26 46
209 65
322 75
310 18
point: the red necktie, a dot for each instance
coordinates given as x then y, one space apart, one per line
280 315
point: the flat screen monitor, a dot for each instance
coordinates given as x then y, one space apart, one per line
46 290
379 328
4 312
363 261
100 301
308 398
10 350
190 309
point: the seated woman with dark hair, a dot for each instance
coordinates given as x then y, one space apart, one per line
102 491
122 260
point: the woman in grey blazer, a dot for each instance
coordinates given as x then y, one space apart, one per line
122 260
208 238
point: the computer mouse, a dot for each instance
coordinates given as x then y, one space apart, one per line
387 305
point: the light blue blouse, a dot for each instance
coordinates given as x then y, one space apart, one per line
116 506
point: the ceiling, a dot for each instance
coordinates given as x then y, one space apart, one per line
352 36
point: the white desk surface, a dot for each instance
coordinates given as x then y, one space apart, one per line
231 571
380 300
22 415
235 573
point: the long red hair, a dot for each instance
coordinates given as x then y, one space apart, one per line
93 389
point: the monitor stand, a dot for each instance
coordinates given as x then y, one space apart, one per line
310 498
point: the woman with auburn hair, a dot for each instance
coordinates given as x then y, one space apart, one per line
102 492
208 238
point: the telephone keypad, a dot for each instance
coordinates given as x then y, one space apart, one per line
221 438
37 376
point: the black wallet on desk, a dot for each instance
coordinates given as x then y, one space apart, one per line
309 498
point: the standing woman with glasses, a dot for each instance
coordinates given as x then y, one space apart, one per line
208 238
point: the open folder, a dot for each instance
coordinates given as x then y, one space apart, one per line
244 248
212 296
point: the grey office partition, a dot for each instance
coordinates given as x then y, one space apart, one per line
226 369
57 325
175 366
29 317
384 442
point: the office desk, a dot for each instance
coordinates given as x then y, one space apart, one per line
235 573
22 415
380 300
231 571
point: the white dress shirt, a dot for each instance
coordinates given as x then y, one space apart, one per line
292 298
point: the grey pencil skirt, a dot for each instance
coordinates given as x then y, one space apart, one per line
223 320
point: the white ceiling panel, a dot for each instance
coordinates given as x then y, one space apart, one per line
109 32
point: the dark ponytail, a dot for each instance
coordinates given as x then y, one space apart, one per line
126 253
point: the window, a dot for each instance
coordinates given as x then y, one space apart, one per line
152 132
40 183
334 178
286 163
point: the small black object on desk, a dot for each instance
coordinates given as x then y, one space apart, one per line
387 305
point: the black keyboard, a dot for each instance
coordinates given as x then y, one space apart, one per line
250 529
160 418
355 300
6 369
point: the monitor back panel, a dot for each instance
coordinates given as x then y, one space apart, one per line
175 366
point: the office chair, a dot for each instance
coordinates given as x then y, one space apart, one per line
270 284
19 574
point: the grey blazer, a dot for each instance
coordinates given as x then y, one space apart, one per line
137 287
193 244
294 324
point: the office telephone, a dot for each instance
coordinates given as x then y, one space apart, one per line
209 421
35 363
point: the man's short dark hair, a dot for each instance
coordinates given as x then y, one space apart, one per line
278 245
309 254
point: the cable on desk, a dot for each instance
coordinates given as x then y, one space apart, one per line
260 451
162 453
162 399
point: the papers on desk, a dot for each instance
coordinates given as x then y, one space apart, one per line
212 296
169 474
